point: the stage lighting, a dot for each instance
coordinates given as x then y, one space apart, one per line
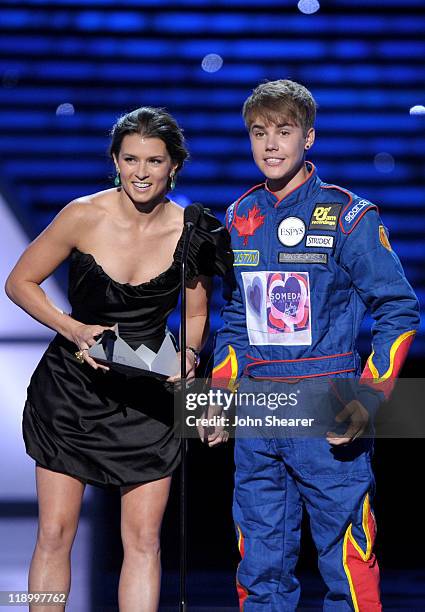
384 162
419 109
308 7
65 109
212 62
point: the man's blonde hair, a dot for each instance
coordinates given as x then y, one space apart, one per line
277 101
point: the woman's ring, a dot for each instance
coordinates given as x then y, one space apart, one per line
80 355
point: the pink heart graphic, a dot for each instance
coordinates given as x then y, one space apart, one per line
286 297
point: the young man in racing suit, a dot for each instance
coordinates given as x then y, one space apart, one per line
310 259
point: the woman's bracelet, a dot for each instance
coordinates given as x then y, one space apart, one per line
196 353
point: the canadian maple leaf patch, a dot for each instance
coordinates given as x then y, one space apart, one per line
247 225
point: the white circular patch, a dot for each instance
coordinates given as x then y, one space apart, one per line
291 231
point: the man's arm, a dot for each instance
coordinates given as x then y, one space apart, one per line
379 279
231 340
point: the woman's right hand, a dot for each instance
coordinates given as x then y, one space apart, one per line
84 336
215 434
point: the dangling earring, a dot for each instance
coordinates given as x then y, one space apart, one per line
117 179
173 181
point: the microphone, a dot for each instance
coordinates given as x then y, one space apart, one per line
191 218
192 214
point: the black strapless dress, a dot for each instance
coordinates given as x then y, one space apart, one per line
108 429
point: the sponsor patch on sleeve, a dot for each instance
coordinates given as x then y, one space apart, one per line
325 216
353 213
229 215
383 238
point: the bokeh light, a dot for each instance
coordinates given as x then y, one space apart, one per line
308 7
65 109
419 109
212 62
384 162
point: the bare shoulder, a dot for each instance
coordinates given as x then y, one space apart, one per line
44 254
87 208
73 221
176 210
176 214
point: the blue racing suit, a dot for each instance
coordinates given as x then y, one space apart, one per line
306 270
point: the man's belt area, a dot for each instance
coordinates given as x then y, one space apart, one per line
296 369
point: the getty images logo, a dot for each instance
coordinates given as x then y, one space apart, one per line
352 214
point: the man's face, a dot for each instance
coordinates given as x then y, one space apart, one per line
279 148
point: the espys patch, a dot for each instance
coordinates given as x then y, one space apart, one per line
305 258
326 242
291 231
246 257
325 216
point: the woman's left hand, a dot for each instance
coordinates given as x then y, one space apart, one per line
190 367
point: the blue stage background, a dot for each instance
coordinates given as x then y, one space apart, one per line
68 69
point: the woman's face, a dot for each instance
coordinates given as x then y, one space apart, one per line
145 166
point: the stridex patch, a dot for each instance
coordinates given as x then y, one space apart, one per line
313 240
305 258
325 216
247 257
291 231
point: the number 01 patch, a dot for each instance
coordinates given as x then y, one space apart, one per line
278 307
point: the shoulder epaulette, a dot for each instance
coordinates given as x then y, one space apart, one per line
353 211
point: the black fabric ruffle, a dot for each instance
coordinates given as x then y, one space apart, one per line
210 250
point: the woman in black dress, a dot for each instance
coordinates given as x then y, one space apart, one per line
86 423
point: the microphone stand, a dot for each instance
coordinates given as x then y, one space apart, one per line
183 448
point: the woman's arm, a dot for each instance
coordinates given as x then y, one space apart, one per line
197 311
39 260
197 321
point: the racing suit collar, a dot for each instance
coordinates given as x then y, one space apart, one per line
300 193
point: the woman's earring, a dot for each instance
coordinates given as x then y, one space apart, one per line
307 147
117 179
172 181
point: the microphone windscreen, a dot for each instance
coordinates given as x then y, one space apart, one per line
192 213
